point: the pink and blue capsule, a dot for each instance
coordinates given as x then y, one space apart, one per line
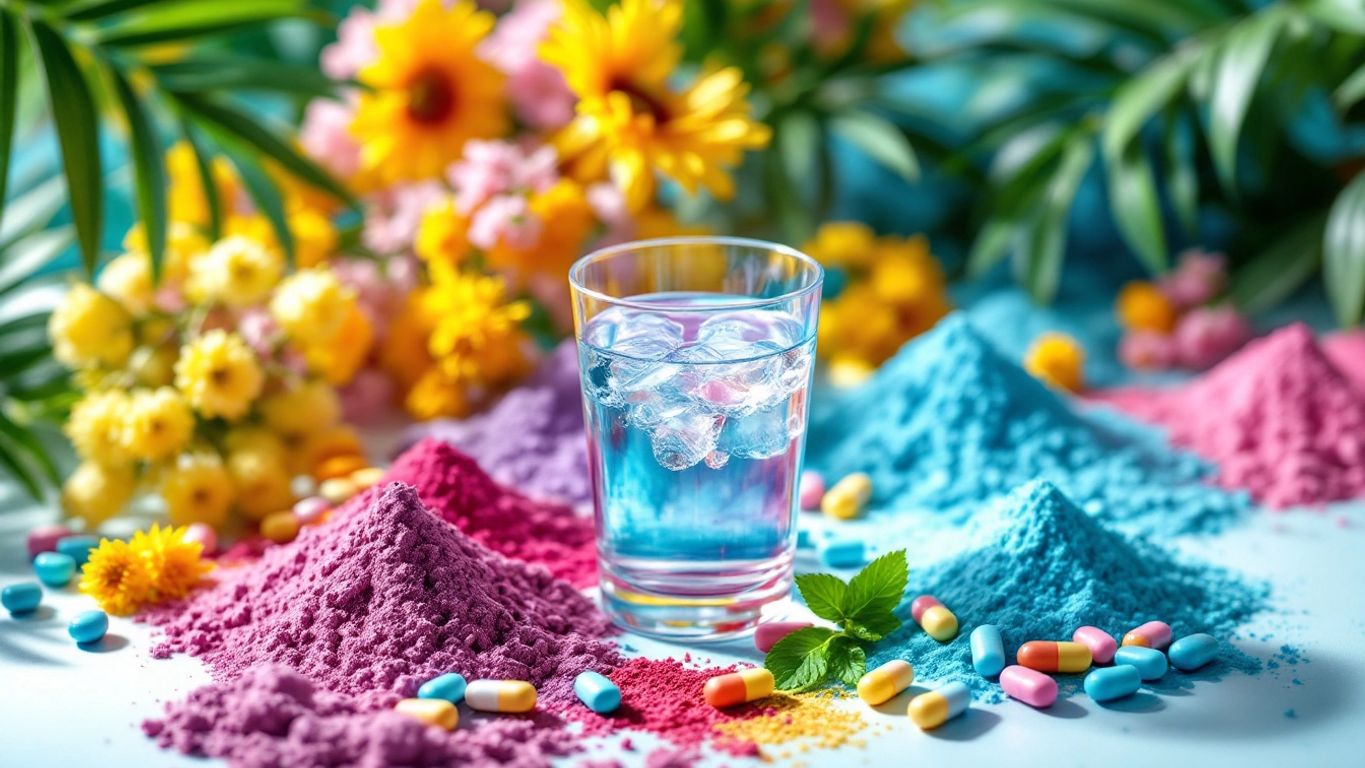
988 650
1193 651
934 708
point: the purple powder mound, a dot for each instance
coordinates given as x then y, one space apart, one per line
272 716
383 597
532 439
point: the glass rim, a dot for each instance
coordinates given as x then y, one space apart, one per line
576 269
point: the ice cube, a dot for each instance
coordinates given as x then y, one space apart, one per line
751 325
759 435
685 439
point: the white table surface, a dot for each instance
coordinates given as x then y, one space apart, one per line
64 706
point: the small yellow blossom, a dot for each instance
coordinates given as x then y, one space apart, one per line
301 409
478 336
157 424
95 492
339 358
184 245
236 271
436 396
443 235
567 220
128 279
185 197
175 566
254 439
219 375
311 305
90 329
315 237
260 482
1057 360
197 490
1141 306
117 576
849 245
95 427
153 366
323 444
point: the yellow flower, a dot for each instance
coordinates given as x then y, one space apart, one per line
95 427
630 123
337 359
315 237
184 244
435 396
1141 306
236 271
442 234
197 490
117 577
185 197
260 481
153 366
157 423
566 222
255 440
128 278
845 244
477 336
96 492
320 445
311 305
219 375
301 409
404 355
90 329
427 92
1058 360
174 566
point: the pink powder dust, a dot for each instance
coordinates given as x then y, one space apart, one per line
1278 418
541 532
1346 349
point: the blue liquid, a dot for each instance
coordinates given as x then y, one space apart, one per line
696 423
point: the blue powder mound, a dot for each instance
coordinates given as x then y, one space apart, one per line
1038 568
949 423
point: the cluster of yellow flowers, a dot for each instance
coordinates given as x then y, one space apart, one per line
213 387
895 291
155 565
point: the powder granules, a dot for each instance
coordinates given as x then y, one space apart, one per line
1346 350
532 439
795 724
1039 568
949 423
541 532
1278 418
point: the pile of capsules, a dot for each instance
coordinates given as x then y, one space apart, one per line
436 700
57 555
1138 659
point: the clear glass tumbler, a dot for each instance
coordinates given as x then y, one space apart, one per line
696 357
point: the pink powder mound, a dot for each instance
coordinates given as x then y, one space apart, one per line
1277 418
1346 350
542 532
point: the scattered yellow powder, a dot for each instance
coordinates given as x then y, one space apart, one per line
799 722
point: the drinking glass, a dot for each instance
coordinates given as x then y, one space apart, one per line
696 357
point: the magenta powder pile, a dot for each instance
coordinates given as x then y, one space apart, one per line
1278 418
533 438
533 531
312 644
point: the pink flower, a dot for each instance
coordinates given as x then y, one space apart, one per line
366 397
491 168
1204 336
540 96
1147 351
379 288
1197 278
609 205
326 136
829 23
504 219
354 47
259 330
538 91
393 215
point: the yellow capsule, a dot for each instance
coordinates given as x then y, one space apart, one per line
437 712
738 687
500 696
280 527
934 618
932 709
846 499
337 490
883 683
369 476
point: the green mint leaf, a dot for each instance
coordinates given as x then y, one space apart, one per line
847 660
875 627
824 594
800 660
876 590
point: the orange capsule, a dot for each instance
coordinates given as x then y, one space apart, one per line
1051 656
738 687
1153 634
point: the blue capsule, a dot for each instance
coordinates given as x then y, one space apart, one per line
1150 662
22 597
88 627
597 692
77 547
448 687
54 568
1193 651
803 539
842 553
1109 683
988 650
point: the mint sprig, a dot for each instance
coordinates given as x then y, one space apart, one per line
861 608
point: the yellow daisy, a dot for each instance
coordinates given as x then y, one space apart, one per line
566 222
185 196
309 406
219 375
157 423
89 329
478 336
427 92
311 305
175 566
436 396
116 575
128 279
261 483
630 123
236 271
95 427
339 358
96 492
442 234
197 490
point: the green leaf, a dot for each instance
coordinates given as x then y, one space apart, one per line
206 180
1343 249
880 139
9 96
992 245
877 589
103 9
800 660
1041 264
188 19
25 440
799 145
30 254
847 661
1351 90
1135 207
1142 97
31 210
874 626
149 174
824 594
230 72
1342 15
1240 62
77 125
243 127
1182 177
1279 270
264 194
11 463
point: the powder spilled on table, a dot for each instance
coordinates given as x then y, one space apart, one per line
541 532
1038 568
1278 418
532 439
949 423
363 609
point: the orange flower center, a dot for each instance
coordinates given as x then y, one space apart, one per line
431 96
641 101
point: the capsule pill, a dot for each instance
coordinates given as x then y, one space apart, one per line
437 712
738 687
934 618
511 696
1112 682
449 687
1193 651
1029 686
1054 656
934 708
597 692
1100 643
1153 634
1149 662
883 683
988 650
